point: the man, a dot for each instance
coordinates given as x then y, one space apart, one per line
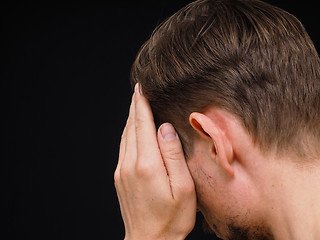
240 82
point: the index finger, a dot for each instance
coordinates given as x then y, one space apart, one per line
146 134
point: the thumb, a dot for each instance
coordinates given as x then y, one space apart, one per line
174 160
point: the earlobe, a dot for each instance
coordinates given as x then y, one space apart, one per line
221 150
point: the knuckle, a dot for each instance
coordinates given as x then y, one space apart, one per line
144 170
124 173
116 177
185 189
189 189
173 153
140 122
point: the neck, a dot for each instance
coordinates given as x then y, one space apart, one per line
294 202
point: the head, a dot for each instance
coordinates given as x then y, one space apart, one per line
240 81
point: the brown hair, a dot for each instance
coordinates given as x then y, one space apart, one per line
245 56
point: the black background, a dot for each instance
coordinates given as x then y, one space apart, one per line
65 95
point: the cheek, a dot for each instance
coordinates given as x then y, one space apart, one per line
205 176
209 199
208 191
219 199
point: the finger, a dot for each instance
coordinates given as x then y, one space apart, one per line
123 142
146 134
174 160
130 153
122 148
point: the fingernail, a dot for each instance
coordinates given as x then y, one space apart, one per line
168 132
137 88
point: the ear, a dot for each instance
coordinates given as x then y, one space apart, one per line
221 149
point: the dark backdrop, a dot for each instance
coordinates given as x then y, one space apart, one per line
65 94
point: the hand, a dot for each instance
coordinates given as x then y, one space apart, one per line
154 186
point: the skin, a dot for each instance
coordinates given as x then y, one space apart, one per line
155 188
242 192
